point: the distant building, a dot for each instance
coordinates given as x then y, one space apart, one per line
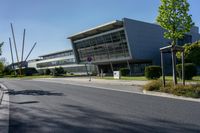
127 43
63 59
16 65
33 63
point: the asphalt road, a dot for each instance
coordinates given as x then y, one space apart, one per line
41 107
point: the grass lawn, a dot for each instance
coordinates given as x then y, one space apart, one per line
196 78
168 78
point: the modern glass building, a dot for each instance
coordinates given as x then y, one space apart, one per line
56 59
124 43
63 59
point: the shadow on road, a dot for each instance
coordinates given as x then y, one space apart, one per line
33 92
26 102
83 119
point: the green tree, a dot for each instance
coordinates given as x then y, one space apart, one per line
1 68
1 44
192 53
174 18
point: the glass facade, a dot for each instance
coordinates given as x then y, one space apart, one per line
57 55
56 63
102 48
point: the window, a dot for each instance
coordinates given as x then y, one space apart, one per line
107 38
104 47
56 63
99 40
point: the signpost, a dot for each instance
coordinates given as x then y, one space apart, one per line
89 59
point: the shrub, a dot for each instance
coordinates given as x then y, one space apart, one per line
152 72
192 90
13 73
124 71
187 90
190 70
29 71
192 53
47 72
94 73
153 85
7 71
58 71
71 73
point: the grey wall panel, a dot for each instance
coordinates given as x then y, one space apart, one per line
144 39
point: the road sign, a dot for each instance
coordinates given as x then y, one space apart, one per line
89 58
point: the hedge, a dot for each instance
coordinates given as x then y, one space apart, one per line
58 71
47 72
189 90
152 72
27 71
124 71
190 70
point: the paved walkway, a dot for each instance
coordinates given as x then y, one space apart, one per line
105 81
126 85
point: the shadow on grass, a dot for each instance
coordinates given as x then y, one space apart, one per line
33 92
82 119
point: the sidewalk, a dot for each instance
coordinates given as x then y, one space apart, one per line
104 81
119 85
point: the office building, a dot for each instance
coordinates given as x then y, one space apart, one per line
124 43
63 59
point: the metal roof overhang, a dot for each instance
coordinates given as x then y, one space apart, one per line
53 53
99 29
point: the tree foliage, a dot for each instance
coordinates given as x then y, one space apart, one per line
58 71
192 53
1 44
1 68
173 16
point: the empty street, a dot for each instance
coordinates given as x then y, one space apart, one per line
61 108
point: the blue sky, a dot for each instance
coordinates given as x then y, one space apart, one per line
50 22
